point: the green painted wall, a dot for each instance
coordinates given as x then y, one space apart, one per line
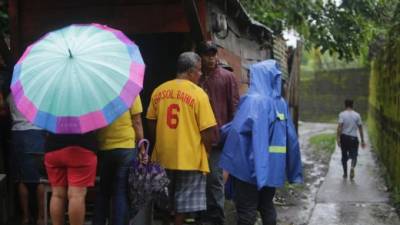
322 95
384 107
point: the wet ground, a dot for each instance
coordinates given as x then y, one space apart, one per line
295 206
326 198
331 200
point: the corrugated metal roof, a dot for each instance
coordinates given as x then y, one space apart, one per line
280 55
236 10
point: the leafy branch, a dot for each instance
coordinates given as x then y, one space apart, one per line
346 28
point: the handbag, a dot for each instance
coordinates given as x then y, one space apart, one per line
146 182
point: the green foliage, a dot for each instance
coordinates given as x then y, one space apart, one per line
395 195
324 143
313 60
345 28
384 107
3 16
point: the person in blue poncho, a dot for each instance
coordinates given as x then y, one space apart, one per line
261 149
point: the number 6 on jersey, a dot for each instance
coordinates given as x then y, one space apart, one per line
172 116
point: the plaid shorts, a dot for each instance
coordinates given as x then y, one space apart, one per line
187 190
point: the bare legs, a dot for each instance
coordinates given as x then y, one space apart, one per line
179 219
24 202
23 193
40 200
76 208
57 205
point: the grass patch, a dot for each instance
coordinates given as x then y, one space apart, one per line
311 117
395 195
324 143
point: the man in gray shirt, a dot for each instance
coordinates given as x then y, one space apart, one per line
349 123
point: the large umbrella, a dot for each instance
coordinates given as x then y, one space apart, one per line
78 78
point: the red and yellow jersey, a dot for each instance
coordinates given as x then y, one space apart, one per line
182 111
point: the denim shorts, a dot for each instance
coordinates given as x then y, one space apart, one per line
26 156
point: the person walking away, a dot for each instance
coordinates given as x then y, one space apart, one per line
182 123
27 145
261 149
70 161
349 122
117 144
222 90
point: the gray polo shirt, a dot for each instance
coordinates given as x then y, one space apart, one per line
350 120
19 122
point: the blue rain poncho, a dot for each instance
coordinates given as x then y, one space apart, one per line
261 145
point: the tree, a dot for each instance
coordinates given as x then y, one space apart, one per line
344 27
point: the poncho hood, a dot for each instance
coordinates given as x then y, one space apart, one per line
265 79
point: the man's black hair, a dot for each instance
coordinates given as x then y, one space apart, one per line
207 47
348 103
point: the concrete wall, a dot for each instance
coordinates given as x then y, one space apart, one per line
322 97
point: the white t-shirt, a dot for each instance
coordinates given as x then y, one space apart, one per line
19 122
350 120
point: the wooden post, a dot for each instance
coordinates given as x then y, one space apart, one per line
293 86
9 63
192 15
5 52
15 34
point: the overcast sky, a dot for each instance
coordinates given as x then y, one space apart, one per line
291 37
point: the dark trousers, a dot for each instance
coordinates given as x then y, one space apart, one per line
112 193
215 190
248 200
349 147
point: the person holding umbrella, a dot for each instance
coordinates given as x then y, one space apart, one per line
70 162
71 82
